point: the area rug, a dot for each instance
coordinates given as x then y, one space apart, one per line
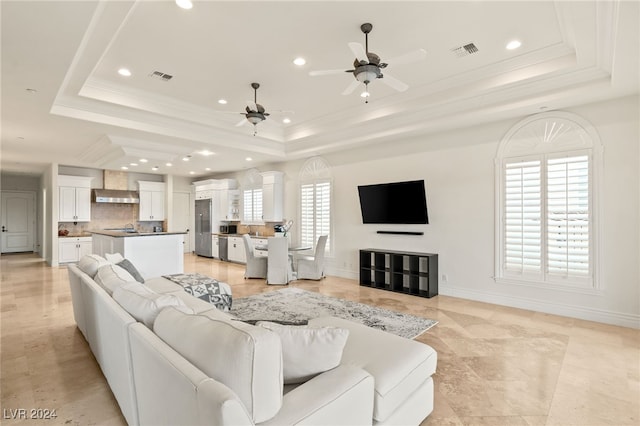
294 305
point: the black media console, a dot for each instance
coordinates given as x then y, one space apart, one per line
400 271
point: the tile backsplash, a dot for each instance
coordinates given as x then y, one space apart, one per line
111 216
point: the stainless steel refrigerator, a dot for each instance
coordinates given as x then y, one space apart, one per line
204 226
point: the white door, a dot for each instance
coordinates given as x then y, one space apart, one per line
18 213
182 217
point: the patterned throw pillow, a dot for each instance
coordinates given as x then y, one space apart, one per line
128 266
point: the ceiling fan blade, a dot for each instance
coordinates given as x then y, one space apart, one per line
252 106
359 52
325 72
410 57
240 123
394 83
350 88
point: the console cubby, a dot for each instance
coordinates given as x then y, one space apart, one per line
400 271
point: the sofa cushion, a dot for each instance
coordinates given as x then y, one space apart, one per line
110 276
162 285
245 358
143 303
90 263
401 368
308 351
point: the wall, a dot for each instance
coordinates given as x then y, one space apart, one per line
458 169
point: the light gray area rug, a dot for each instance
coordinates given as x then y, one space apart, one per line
294 305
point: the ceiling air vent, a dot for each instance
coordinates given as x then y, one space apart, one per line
465 50
160 76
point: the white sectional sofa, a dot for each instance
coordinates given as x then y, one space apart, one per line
195 365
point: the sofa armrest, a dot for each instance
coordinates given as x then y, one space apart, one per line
341 396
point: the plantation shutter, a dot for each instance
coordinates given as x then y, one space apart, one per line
315 212
252 205
568 217
522 218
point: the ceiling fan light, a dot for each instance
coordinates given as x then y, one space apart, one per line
184 4
365 94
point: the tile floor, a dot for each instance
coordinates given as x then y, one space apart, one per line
497 365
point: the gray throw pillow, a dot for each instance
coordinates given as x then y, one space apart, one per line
128 266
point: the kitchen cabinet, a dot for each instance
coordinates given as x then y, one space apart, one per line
235 250
229 204
151 201
74 198
272 196
71 249
215 246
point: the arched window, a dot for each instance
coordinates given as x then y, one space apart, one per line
315 202
546 223
252 197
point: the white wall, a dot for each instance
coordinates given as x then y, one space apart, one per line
458 169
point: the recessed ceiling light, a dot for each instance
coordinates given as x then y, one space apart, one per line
124 72
186 158
513 44
249 159
208 169
168 164
206 152
192 172
133 164
286 120
154 168
222 101
143 160
124 168
299 61
184 4
31 90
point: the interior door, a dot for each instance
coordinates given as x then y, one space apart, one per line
182 216
17 211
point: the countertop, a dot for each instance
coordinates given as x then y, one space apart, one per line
119 234
240 235
84 234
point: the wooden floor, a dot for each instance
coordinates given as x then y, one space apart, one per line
496 365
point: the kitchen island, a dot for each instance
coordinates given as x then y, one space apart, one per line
152 253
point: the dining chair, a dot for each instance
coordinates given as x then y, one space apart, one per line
256 266
313 268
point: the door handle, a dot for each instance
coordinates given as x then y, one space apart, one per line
4 229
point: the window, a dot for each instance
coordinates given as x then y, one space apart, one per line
315 202
546 216
252 197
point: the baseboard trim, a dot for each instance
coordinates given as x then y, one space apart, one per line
572 311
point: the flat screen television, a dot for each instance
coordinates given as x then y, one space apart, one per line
397 202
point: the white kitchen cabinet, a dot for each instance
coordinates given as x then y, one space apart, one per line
71 249
272 196
74 198
235 250
215 246
229 204
151 201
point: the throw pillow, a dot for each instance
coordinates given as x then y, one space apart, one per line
114 257
128 266
111 276
90 263
307 351
144 304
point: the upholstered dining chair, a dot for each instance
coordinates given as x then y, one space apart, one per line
279 270
256 266
313 268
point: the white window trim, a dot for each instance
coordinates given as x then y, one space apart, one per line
524 148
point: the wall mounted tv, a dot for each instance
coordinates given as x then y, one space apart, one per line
397 202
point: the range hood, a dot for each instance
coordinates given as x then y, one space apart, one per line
115 190
115 196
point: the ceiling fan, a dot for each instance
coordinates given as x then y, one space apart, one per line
368 66
255 113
